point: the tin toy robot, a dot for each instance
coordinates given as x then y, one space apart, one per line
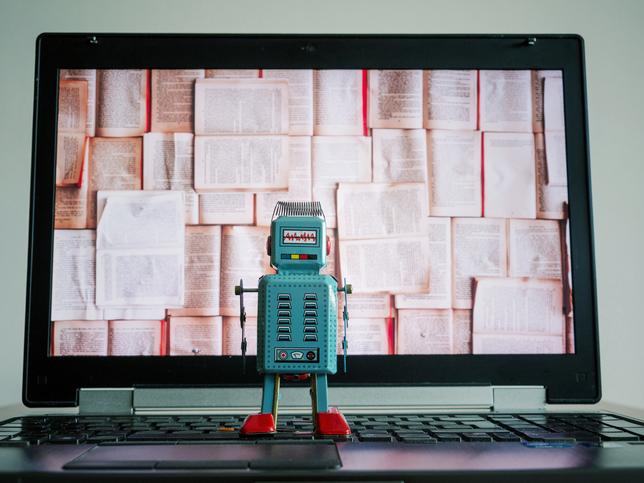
296 317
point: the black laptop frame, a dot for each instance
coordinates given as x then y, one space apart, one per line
54 381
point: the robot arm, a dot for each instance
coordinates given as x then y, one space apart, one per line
347 289
239 290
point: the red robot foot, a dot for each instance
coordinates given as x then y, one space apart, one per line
331 423
262 423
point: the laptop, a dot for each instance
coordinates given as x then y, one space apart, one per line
453 177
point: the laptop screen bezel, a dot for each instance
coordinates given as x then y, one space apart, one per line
54 381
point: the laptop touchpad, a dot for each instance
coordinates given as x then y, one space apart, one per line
322 455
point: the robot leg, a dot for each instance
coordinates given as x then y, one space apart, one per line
328 421
266 420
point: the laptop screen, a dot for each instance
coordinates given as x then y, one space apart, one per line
452 173
445 196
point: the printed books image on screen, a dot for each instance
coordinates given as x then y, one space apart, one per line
445 195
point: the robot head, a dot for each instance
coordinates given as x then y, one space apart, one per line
298 240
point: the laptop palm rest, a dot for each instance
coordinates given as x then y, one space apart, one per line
322 455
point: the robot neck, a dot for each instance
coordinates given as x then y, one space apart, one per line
299 271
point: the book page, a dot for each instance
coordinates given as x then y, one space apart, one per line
509 166
232 73
399 155
366 305
426 331
172 102
195 336
232 336
243 256
534 249
299 181
556 169
140 249
136 338
226 208
506 100
517 344
554 132
72 124
399 265
440 270
461 331
89 76
451 99
202 271
241 106
338 159
74 282
70 150
121 102
79 338
550 198
478 249
518 316
454 173
538 77
71 201
167 165
396 99
366 336
114 164
300 98
381 210
74 276
338 107
241 163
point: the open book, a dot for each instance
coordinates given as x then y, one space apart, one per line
338 159
202 265
121 102
433 331
140 248
113 338
72 125
396 99
518 316
367 336
194 336
172 103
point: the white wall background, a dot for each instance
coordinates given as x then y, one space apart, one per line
614 34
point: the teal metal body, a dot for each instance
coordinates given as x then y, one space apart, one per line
297 307
297 313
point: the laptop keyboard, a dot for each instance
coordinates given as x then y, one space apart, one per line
562 429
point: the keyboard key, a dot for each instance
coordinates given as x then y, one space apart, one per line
417 440
476 437
375 438
625 424
623 436
447 437
148 435
66 439
505 437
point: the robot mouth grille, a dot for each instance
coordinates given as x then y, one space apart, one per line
298 208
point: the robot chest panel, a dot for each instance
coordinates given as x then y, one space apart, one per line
299 322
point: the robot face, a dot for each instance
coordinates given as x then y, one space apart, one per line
298 239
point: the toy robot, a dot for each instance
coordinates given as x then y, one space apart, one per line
296 317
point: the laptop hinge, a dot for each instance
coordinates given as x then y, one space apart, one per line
518 398
105 401
366 399
363 399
